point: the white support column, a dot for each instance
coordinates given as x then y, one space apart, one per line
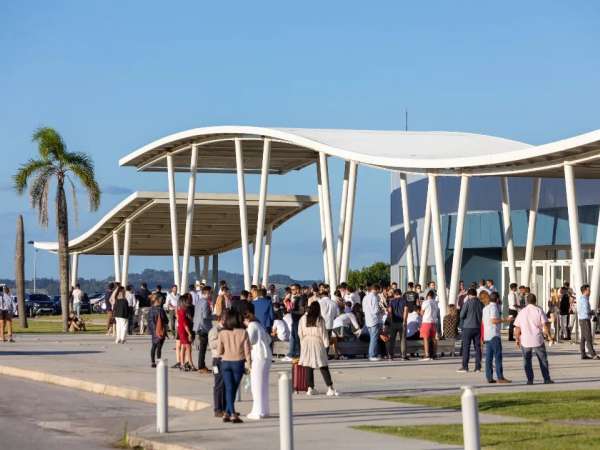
423 264
437 245
197 267
126 246
595 282
343 205
410 266
215 272
535 202
508 231
173 217
74 268
189 219
239 160
205 268
348 221
116 256
262 210
576 261
322 221
323 167
463 199
267 256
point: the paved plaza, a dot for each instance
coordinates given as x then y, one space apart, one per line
320 422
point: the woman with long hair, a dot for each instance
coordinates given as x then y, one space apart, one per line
233 347
261 363
157 327
121 313
314 342
184 331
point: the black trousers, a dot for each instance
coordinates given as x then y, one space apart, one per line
511 326
202 346
310 376
156 350
586 336
394 329
130 320
219 387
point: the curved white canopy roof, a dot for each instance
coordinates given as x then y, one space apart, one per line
451 153
216 223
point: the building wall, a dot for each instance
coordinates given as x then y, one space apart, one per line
484 239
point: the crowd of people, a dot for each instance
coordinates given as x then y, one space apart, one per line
239 331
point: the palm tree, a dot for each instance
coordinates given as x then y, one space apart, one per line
56 163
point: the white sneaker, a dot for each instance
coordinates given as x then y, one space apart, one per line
253 417
287 359
426 359
311 391
331 392
375 359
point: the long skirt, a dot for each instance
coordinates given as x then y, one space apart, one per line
259 383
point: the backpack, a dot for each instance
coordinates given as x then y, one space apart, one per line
160 327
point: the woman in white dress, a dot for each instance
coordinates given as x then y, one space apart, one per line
261 363
314 342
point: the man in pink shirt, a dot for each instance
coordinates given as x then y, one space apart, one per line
531 325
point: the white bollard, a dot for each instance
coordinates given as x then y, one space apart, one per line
470 418
286 429
162 396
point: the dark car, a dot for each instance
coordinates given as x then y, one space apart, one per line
38 304
85 305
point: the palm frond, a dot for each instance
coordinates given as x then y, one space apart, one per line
39 193
50 143
82 166
74 197
27 170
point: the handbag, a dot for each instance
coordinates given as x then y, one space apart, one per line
160 327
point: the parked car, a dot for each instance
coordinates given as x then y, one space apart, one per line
97 302
38 304
85 304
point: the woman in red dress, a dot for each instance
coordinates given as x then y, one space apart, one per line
184 332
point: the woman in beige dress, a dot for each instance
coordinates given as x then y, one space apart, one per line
314 343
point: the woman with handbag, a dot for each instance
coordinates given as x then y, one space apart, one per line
157 327
261 363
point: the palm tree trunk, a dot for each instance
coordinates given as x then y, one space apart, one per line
20 271
62 224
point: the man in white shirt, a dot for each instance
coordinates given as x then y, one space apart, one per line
514 305
429 314
482 287
492 322
329 310
171 307
349 295
280 329
373 322
77 295
6 313
272 292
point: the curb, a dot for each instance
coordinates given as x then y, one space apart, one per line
134 440
181 403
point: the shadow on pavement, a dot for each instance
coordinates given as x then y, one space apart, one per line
47 352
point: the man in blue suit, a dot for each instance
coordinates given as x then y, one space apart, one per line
263 308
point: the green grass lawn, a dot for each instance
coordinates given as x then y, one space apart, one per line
558 405
540 428
504 436
53 324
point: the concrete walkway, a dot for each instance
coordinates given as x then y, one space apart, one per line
320 422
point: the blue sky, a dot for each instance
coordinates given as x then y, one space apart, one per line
112 76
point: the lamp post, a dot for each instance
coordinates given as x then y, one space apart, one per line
34 265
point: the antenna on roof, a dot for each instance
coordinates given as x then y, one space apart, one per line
406 120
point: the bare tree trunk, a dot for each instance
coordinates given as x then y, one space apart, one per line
62 225
20 271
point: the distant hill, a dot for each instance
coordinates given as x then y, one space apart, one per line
152 278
